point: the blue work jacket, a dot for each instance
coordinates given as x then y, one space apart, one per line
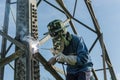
77 47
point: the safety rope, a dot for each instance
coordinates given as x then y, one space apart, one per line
64 69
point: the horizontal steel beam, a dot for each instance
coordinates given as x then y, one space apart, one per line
101 69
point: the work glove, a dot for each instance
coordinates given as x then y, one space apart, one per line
69 59
52 60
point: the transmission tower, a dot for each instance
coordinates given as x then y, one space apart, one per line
26 56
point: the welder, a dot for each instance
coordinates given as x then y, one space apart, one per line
70 49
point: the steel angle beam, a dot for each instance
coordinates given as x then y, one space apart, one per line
5 30
69 16
44 39
11 58
47 66
17 43
105 54
39 1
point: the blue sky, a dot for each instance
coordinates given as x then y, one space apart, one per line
108 15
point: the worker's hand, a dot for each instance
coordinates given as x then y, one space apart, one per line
52 61
69 59
60 58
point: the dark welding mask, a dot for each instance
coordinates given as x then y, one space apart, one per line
56 28
58 31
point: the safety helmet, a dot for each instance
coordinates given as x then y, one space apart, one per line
56 28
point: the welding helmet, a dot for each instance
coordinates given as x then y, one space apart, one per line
56 28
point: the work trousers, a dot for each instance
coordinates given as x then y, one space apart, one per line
79 76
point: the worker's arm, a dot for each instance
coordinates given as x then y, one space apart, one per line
70 59
82 53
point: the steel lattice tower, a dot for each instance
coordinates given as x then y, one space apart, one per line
26 66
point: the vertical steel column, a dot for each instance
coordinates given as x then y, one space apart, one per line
97 27
26 67
5 30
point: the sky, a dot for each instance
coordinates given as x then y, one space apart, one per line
108 15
